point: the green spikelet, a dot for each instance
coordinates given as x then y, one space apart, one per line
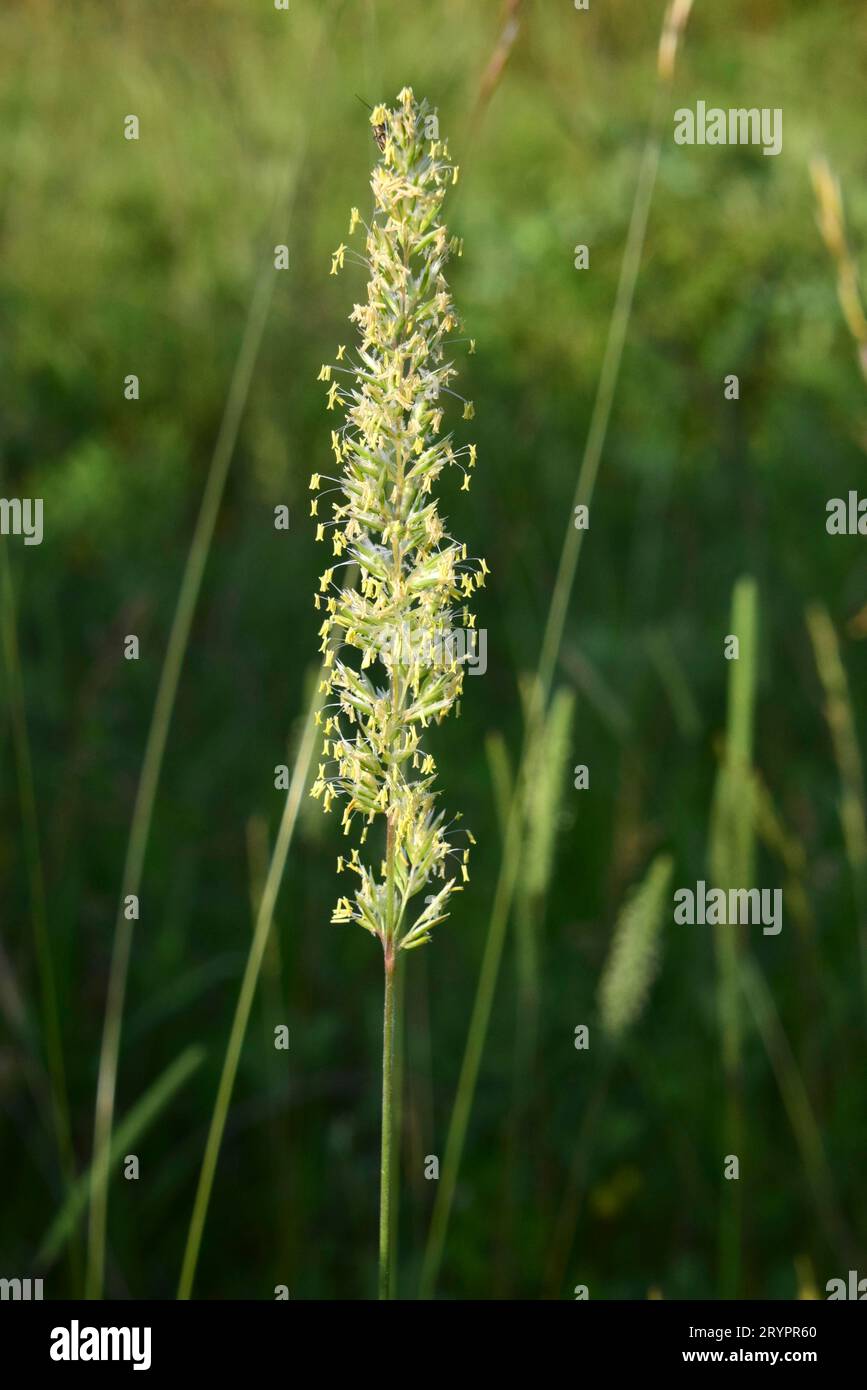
546 794
634 955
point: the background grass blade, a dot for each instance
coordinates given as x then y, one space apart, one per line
798 1108
627 979
51 1029
841 722
732 863
131 1128
264 919
179 636
551 642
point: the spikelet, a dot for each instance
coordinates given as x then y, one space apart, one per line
545 796
673 26
829 201
415 580
632 959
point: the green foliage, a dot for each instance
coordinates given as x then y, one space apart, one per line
119 256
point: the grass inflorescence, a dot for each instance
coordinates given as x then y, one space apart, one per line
415 580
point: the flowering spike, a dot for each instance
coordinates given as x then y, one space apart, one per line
412 574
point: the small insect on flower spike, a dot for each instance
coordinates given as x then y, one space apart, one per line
414 578
378 130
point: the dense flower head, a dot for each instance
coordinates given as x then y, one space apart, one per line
413 578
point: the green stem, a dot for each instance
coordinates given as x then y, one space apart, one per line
385 1171
151 770
264 919
152 764
732 857
50 1009
569 556
847 754
397 1115
188 596
386 1174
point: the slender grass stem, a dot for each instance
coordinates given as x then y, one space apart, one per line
801 1116
264 919
386 1171
732 859
397 1115
540 691
569 1209
847 754
152 768
386 1176
134 1124
36 880
188 595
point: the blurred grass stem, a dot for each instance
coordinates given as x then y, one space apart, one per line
553 636
155 746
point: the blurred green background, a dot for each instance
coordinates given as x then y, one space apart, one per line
121 257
